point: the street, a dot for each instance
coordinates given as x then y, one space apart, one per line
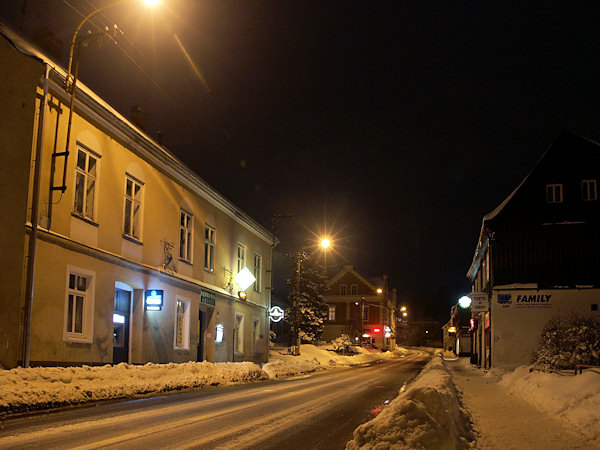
318 411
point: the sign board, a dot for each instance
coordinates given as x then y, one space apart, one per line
207 298
276 314
480 302
154 300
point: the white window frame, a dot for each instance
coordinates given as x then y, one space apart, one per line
209 248
258 272
241 257
186 232
331 312
554 193
135 218
239 333
87 310
82 190
589 192
181 329
343 289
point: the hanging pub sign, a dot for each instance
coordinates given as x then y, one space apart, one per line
275 314
480 302
153 300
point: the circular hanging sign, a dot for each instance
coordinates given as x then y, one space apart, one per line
276 314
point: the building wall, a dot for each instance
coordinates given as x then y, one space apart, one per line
17 118
517 324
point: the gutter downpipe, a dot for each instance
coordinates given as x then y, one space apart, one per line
35 198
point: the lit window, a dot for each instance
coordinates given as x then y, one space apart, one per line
182 325
239 333
257 272
343 290
133 208
554 193
332 313
241 257
354 289
209 248
185 235
86 170
588 190
79 307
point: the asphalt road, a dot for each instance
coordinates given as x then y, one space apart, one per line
311 412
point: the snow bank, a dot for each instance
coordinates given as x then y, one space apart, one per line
426 415
43 387
573 399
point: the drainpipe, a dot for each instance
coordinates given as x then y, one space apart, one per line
35 200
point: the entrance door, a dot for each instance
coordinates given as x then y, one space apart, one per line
121 326
200 354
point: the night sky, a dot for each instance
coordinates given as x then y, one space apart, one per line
393 126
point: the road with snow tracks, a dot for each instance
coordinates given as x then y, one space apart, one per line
319 411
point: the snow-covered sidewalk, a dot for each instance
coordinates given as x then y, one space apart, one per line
518 409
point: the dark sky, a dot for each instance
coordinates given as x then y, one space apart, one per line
393 125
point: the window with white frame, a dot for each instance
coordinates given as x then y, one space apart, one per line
554 193
258 272
343 290
133 208
209 248
79 305
182 324
186 221
241 257
86 171
354 289
239 333
331 312
588 190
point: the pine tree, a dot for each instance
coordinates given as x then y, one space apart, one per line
308 309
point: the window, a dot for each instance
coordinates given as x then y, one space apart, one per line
241 257
354 289
182 325
588 190
186 222
343 289
257 272
133 208
331 313
79 307
85 183
239 333
209 248
554 193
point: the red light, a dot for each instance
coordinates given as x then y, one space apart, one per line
376 330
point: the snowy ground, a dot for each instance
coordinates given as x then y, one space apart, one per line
46 387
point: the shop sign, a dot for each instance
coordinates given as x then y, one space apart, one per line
207 298
480 302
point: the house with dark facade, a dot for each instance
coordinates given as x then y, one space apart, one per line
362 308
538 254
112 249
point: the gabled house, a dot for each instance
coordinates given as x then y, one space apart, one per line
363 309
113 250
538 254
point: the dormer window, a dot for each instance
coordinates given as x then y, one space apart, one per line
588 190
554 193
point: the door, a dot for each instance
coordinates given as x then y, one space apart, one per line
121 326
200 354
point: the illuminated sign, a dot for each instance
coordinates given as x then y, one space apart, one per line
244 278
276 314
219 333
118 318
387 329
451 329
154 300
207 298
242 295
376 330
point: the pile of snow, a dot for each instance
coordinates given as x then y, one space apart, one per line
44 387
426 415
573 399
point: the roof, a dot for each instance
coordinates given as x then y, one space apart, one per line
350 269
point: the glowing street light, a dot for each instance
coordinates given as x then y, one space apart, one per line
325 243
464 302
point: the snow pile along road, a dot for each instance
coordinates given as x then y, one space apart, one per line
575 400
46 387
426 415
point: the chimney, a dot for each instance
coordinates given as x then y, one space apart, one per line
138 117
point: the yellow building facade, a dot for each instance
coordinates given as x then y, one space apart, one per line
134 257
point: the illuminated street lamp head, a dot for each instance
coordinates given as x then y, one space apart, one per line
379 290
404 314
403 308
325 243
464 301
152 2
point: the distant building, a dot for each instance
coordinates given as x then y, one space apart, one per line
124 253
365 310
538 254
